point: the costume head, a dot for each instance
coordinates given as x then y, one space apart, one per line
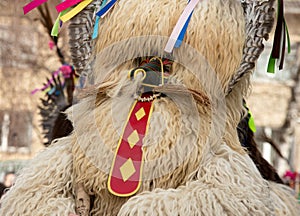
156 132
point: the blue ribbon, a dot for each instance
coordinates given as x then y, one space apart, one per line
51 91
96 25
106 8
182 33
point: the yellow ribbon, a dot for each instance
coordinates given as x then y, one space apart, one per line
75 10
46 90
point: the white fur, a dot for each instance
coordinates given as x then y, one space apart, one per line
194 164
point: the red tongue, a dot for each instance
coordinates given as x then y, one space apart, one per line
125 175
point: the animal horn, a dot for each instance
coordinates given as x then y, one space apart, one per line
259 17
80 37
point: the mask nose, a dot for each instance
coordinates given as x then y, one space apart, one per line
153 73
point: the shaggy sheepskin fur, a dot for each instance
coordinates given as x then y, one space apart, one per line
193 161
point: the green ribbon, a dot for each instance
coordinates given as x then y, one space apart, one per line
288 36
279 39
55 28
271 65
251 123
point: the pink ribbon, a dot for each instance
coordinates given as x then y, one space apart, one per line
66 4
180 24
55 73
51 44
291 175
30 6
66 70
35 91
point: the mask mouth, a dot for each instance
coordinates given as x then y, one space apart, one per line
152 73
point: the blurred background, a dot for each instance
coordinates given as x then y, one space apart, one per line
28 55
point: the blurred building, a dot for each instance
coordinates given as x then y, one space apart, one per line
25 62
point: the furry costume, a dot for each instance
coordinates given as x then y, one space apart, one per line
191 165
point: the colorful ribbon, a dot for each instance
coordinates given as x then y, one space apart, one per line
182 33
46 87
279 42
102 12
96 28
66 70
181 25
34 4
66 4
55 28
51 91
75 10
251 123
96 25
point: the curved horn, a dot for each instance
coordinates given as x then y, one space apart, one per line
80 37
259 17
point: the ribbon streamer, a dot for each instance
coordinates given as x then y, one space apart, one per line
35 91
56 25
30 6
51 91
180 25
47 85
182 33
96 28
251 123
104 10
75 10
46 90
66 4
96 25
281 35
278 31
65 70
